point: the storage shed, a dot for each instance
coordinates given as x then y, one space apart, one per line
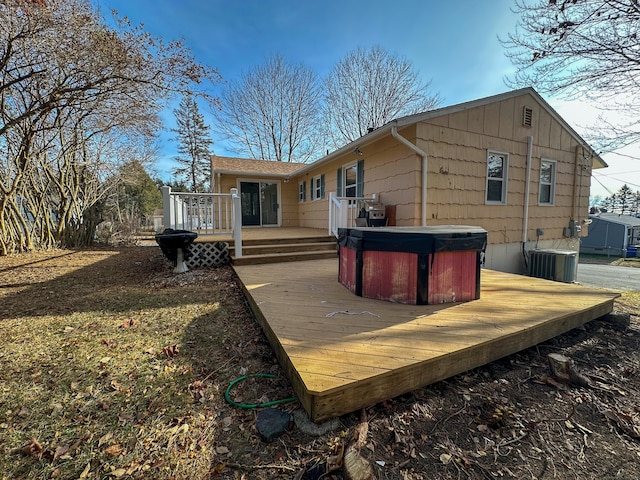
612 234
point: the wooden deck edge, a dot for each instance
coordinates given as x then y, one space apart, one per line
293 375
357 395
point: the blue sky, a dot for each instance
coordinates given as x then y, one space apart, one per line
454 44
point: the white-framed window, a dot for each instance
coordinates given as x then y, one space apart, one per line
317 187
497 170
302 191
546 195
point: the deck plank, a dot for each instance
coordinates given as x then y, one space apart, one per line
342 352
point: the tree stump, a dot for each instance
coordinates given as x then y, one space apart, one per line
564 369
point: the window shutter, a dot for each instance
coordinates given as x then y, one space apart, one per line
360 184
340 187
304 190
322 186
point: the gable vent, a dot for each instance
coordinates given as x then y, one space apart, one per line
527 116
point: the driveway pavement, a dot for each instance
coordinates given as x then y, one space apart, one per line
609 276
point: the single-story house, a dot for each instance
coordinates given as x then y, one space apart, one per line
507 163
612 234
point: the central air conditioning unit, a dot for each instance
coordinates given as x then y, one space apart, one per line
558 265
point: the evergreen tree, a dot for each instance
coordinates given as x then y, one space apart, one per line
625 202
194 140
608 204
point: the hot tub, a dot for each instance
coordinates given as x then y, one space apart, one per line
414 265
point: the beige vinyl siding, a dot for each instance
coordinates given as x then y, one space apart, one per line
390 170
289 203
457 145
315 213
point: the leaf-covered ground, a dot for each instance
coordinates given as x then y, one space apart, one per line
112 367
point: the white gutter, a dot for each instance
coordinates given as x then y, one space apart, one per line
401 139
527 184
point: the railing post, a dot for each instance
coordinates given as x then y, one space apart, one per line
331 207
345 214
166 206
237 222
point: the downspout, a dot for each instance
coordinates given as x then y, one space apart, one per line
527 189
401 139
576 192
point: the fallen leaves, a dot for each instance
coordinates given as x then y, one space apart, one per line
62 452
31 447
219 469
86 472
105 439
118 472
171 351
627 421
128 323
113 450
197 389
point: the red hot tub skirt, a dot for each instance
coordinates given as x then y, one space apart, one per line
413 265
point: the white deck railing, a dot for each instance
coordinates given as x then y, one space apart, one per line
343 211
204 213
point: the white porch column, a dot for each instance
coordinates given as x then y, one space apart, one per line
166 206
237 222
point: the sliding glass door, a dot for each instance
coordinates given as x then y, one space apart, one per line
259 201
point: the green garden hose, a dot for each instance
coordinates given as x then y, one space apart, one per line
254 405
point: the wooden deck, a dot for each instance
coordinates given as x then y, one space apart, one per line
343 352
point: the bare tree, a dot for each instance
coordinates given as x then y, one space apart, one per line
77 99
368 88
194 142
586 49
272 112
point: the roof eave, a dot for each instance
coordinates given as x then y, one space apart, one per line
349 148
597 161
248 173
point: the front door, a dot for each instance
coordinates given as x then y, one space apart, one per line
259 202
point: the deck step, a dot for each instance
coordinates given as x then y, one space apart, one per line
284 257
286 249
285 240
263 249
